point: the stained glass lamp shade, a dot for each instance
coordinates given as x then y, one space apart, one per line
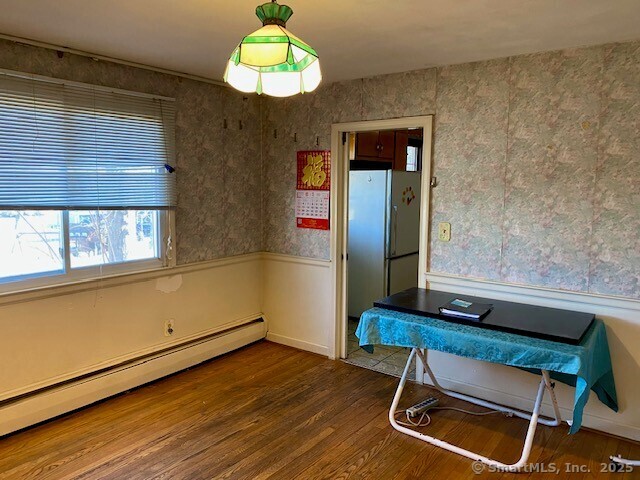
272 60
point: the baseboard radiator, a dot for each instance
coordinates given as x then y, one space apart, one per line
52 401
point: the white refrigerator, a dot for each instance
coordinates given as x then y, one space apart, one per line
383 236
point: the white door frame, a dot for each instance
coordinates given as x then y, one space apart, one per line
339 215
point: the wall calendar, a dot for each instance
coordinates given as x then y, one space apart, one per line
313 189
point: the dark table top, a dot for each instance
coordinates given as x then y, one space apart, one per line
541 322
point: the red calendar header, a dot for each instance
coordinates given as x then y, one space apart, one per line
314 170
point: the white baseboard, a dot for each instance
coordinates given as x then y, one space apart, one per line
526 404
114 362
51 403
300 344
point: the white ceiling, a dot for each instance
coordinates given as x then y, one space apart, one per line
356 38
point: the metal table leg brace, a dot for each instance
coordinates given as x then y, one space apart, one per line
534 418
617 459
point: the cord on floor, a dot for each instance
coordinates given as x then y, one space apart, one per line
425 415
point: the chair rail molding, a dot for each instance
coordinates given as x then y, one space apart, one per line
543 296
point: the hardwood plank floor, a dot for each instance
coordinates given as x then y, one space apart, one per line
272 412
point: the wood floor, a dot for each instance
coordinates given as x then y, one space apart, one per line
268 411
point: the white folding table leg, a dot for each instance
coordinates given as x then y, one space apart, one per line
419 368
494 406
623 461
528 442
554 401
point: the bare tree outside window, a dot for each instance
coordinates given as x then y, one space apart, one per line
32 242
111 236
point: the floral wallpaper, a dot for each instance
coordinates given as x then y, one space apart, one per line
292 124
549 178
218 169
303 123
469 162
615 245
537 159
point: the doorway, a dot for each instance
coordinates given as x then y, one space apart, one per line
380 211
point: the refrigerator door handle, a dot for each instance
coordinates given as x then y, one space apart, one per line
395 229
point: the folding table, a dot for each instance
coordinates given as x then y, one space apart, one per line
587 366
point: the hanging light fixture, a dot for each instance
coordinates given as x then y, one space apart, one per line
272 60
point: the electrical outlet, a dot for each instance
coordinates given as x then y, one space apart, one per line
444 231
168 327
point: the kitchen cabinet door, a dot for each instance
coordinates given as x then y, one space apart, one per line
402 142
387 144
367 145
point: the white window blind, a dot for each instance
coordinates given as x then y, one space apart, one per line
69 146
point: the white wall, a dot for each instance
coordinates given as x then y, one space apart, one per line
298 302
57 334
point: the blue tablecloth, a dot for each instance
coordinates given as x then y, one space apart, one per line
586 366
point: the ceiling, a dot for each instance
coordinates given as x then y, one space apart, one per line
354 39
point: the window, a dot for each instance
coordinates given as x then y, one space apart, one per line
86 182
414 151
413 154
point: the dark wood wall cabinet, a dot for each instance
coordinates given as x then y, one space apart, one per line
388 146
400 151
369 146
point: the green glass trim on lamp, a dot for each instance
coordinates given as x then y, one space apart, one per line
235 56
266 39
285 67
279 39
272 13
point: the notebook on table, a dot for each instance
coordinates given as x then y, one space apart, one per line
463 309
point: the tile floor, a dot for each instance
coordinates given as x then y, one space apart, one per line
385 359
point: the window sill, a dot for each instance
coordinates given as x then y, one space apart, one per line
80 284
116 279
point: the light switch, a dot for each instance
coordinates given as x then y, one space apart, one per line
444 231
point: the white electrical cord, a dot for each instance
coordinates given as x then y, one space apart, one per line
410 422
424 415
